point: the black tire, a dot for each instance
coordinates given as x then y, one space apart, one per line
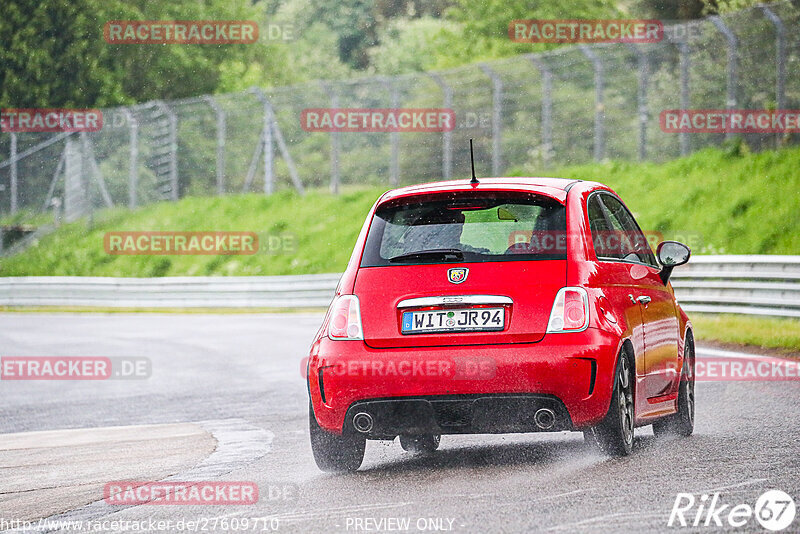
332 453
614 435
682 422
420 444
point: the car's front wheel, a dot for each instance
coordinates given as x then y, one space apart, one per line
614 435
420 444
333 453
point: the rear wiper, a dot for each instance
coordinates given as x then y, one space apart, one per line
445 253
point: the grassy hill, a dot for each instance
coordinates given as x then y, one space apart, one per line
718 201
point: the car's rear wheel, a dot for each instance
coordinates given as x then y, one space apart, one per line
681 423
614 435
333 453
420 443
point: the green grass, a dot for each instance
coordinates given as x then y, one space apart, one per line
765 332
322 227
718 201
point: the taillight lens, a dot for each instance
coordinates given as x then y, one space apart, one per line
345 322
570 311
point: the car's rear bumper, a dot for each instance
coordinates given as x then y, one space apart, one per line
464 389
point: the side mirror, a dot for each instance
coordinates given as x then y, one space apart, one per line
670 255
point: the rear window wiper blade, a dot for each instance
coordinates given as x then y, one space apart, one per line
419 254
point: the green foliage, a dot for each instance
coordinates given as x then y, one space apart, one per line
54 53
410 45
711 7
483 32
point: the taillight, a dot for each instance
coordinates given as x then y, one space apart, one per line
345 322
570 311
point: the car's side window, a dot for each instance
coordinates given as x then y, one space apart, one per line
600 227
632 243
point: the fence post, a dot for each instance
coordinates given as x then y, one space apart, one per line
497 118
780 55
133 168
173 149
644 73
271 129
683 62
780 59
599 105
266 140
547 107
14 193
220 117
334 141
447 135
394 137
85 174
732 49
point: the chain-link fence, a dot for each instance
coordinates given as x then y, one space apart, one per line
527 113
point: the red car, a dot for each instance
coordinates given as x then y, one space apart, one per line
509 305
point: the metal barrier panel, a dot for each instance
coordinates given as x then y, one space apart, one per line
754 285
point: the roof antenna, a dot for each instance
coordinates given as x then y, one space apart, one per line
474 180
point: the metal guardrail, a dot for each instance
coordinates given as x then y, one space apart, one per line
307 291
753 285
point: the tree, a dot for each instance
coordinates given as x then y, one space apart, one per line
54 54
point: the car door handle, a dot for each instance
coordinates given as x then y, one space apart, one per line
644 300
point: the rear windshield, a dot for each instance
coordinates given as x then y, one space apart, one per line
490 227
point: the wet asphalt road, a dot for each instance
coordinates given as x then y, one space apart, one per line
208 367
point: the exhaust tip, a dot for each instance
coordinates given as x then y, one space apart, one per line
362 421
545 418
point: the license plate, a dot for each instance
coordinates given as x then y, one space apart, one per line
461 320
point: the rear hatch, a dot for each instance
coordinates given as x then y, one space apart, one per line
472 268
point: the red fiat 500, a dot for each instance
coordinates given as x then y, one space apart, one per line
509 305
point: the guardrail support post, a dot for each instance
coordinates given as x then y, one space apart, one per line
447 136
732 48
335 178
599 105
547 107
220 118
497 118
